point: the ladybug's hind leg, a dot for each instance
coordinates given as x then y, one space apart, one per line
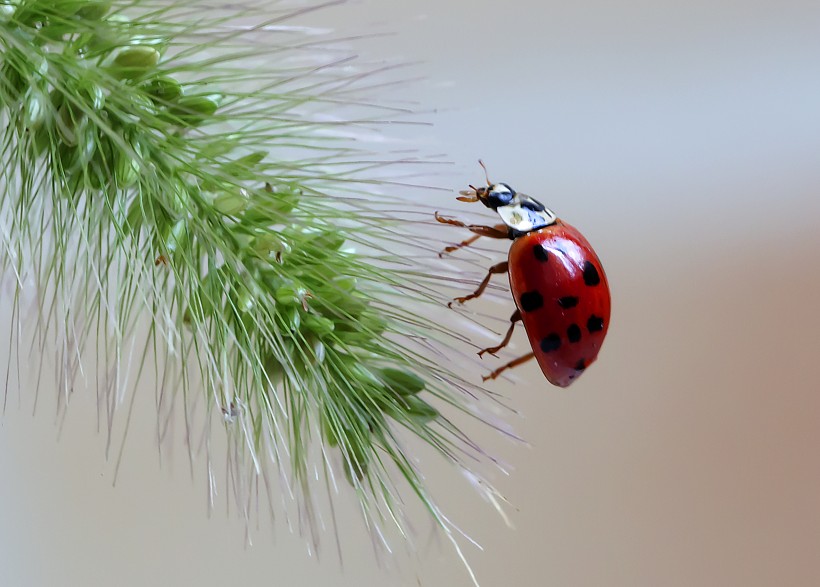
497 268
516 317
510 365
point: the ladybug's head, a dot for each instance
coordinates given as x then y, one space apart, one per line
493 196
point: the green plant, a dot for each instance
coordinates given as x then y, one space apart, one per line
156 164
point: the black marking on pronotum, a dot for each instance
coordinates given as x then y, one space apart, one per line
531 204
573 333
540 253
591 276
568 301
595 323
531 301
551 342
581 365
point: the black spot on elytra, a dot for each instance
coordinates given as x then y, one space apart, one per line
551 342
540 253
568 302
574 333
581 365
591 276
595 323
531 301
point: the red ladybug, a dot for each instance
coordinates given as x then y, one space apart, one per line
557 282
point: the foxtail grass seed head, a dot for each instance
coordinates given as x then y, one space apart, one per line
165 179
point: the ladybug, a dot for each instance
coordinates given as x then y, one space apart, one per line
557 281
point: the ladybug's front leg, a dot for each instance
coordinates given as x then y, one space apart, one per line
498 268
497 231
509 365
516 317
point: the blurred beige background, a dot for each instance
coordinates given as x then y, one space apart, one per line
683 138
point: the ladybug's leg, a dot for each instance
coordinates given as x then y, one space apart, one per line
510 365
497 268
464 243
500 231
497 231
516 317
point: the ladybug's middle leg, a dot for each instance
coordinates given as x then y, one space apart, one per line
516 317
497 268
509 365
461 245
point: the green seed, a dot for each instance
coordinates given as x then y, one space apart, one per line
108 38
318 325
244 166
290 294
292 318
36 109
135 218
94 9
264 244
127 168
86 144
328 240
318 349
178 238
401 382
345 283
136 61
329 431
43 139
193 110
68 126
164 89
245 302
7 11
420 409
231 203
94 95
280 199
251 160
138 56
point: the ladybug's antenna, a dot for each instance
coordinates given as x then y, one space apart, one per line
486 175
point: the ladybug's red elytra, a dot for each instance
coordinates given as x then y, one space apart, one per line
557 281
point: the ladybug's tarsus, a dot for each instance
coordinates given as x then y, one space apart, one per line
516 317
510 365
448 220
502 267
